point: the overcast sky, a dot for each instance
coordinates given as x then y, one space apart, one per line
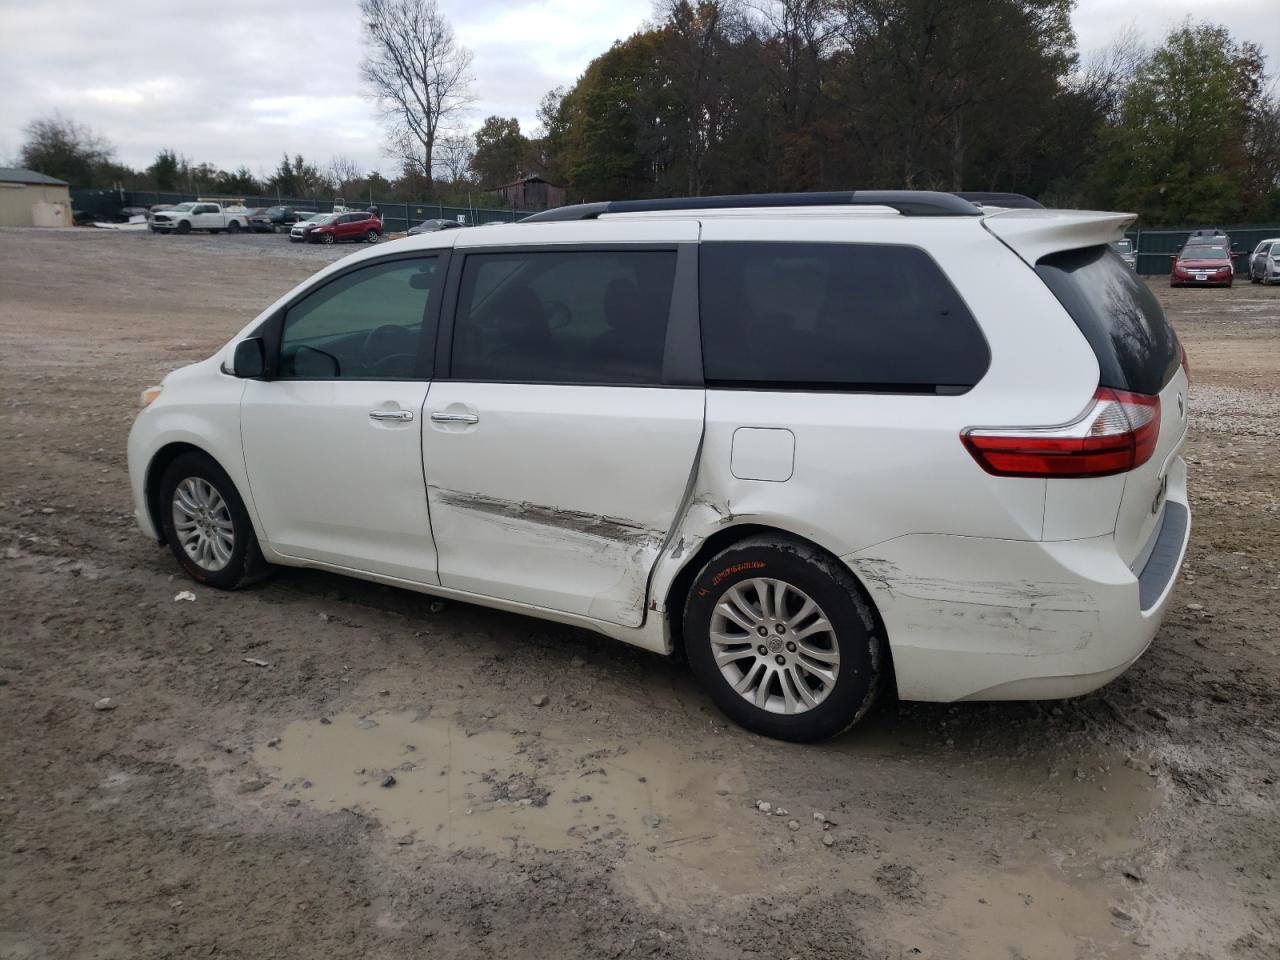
240 81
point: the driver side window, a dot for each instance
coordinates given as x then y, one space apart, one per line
365 325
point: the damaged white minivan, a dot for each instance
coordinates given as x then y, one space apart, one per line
822 443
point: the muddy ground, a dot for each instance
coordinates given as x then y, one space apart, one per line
232 804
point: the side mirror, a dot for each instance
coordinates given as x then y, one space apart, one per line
250 361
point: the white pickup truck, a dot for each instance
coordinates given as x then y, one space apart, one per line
213 217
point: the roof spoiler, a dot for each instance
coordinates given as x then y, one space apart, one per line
1032 235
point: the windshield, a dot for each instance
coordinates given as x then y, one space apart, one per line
184 207
326 218
1204 253
275 210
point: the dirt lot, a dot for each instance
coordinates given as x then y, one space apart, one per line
234 810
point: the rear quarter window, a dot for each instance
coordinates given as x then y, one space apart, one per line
1118 314
834 316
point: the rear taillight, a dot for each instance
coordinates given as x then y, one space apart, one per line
1186 367
1117 433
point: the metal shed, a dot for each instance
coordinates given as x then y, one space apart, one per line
31 199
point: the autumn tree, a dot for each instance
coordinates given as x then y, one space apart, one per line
1180 152
58 146
502 152
418 73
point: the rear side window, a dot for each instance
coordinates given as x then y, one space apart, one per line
834 316
564 317
1118 314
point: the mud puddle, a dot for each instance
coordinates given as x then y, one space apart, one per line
427 780
683 826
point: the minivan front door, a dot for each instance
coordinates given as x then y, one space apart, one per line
559 449
332 443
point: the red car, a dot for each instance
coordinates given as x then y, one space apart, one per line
366 226
1202 265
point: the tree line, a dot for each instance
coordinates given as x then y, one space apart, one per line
723 97
61 147
741 96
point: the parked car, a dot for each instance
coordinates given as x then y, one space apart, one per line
364 226
1202 265
277 219
186 217
1127 253
431 226
301 227
819 454
1264 263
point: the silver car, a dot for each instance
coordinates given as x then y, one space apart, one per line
1264 264
1127 253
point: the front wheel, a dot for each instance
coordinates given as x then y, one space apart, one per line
326 238
781 637
184 226
206 525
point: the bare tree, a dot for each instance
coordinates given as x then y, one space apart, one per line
343 171
453 155
419 74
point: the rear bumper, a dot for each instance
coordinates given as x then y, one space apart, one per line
977 619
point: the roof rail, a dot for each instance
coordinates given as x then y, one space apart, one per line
1011 201
909 203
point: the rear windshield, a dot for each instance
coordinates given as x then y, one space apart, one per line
1118 314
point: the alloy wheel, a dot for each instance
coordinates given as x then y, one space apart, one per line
774 646
202 521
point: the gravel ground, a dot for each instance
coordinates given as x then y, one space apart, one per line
323 767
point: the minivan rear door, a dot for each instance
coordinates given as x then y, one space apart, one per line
1137 352
565 418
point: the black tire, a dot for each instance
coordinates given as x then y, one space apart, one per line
184 226
327 238
372 236
233 226
854 636
245 565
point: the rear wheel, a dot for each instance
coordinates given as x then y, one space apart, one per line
783 640
206 524
372 236
233 226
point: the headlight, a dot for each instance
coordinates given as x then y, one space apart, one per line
148 395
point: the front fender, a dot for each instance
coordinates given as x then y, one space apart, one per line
198 407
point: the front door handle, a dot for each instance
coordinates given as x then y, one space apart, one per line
441 417
401 415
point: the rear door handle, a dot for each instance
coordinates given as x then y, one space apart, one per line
441 417
401 415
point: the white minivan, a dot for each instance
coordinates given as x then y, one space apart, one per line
823 444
